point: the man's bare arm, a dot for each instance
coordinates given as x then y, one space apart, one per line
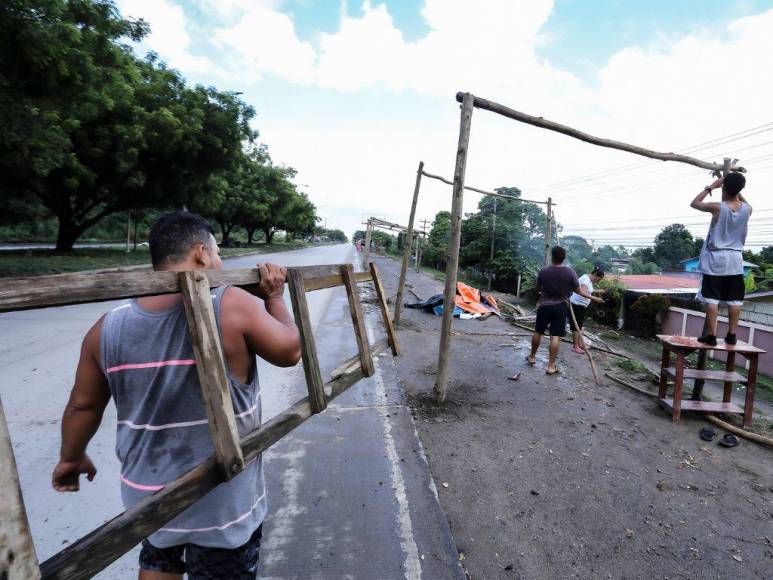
268 327
82 415
711 207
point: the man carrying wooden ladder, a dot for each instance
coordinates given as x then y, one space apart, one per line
141 354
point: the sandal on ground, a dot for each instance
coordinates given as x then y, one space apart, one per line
708 433
729 440
555 372
578 350
530 362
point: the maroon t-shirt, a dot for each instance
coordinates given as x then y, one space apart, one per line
556 284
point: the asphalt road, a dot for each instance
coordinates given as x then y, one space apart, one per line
350 492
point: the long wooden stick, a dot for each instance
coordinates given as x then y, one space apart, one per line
65 289
407 247
566 130
584 346
17 551
483 191
452 258
210 368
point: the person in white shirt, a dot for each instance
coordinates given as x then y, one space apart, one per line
580 304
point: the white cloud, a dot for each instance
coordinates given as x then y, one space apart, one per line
673 92
168 36
262 42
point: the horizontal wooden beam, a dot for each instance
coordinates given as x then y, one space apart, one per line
484 192
64 289
593 140
97 550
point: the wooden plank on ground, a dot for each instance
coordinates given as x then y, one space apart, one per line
382 301
210 366
97 550
64 289
18 560
358 319
308 347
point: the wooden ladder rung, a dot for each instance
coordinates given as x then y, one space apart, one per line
723 376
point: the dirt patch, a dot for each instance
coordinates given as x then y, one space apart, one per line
556 477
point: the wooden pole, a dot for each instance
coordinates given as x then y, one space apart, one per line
311 370
483 191
452 258
518 287
585 347
552 126
18 560
548 236
358 320
382 302
210 367
368 232
493 237
419 252
407 246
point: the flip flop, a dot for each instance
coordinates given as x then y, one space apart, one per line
530 363
555 372
729 440
515 377
708 433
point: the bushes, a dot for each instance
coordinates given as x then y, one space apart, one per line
645 314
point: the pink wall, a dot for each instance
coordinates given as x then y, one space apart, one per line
763 335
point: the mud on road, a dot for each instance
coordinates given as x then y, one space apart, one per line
556 477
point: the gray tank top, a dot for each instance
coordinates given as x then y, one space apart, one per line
722 252
162 424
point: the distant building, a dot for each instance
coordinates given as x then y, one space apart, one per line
691 265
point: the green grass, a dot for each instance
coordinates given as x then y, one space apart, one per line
43 262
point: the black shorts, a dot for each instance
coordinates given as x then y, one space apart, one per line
579 314
202 563
553 316
716 289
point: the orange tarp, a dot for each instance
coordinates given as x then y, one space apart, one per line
468 299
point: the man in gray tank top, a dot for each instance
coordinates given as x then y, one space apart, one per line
140 355
721 259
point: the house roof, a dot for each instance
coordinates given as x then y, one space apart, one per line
745 263
659 283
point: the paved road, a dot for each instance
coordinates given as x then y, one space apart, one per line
350 494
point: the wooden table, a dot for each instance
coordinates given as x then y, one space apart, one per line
682 346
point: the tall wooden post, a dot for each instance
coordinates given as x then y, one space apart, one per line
419 252
407 246
548 237
368 232
17 552
493 237
454 240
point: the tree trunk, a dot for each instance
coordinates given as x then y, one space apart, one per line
250 234
226 229
66 235
269 234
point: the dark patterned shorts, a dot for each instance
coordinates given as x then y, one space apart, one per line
202 563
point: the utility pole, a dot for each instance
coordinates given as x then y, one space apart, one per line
493 237
368 231
548 237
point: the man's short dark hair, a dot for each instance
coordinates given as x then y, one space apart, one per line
733 184
175 234
558 254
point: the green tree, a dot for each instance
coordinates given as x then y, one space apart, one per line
767 254
437 241
638 267
577 249
92 130
673 244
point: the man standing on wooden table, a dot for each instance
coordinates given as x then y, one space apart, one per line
140 354
721 258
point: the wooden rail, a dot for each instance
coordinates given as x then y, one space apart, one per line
104 545
66 289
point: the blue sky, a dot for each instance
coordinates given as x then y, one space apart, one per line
353 94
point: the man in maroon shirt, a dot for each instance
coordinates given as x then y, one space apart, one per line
555 285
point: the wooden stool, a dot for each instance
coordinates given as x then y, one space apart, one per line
683 346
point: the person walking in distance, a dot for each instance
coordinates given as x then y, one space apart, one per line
580 305
721 258
555 284
140 354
